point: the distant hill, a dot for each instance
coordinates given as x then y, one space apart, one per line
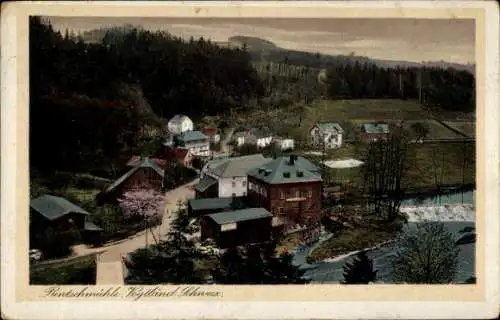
263 50
252 43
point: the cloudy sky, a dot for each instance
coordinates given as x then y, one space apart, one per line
393 39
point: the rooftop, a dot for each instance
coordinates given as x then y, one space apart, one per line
135 161
191 136
240 215
330 126
238 166
290 169
216 203
144 163
205 183
53 207
376 127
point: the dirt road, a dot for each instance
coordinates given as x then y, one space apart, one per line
109 263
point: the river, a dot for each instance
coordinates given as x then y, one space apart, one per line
456 211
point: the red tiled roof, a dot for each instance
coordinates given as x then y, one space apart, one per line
209 131
158 161
178 153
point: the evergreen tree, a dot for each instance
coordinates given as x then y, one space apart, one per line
172 261
360 271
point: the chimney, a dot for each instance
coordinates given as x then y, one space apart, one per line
292 159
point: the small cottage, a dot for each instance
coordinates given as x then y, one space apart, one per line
179 124
374 131
240 227
145 173
57 213
195 141
212 134
261 137
327 135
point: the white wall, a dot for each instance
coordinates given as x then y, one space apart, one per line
178 128
240 141
199 148
287 144
226 188
263 142
332 140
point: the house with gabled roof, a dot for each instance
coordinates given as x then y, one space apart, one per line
239 227
180 123
144 173
212 134
195 141
180 156
259 136
227 177
327 135
374 131
203 206
136 160
49 211
288 187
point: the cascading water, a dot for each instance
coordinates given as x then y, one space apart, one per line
456 211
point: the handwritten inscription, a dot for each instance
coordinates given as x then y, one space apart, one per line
134 293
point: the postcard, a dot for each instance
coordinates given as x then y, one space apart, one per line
250 160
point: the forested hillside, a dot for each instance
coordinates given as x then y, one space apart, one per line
90 99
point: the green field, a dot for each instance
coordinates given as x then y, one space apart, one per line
467 128
428 163
296 121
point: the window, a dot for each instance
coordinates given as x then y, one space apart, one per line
282 195
281 210
309 193
233 184
244 193
244 183
234 194
228 227
297 194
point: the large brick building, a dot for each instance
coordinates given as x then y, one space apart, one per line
288 187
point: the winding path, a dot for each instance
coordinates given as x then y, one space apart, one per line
109 262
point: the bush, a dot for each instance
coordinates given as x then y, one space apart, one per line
79 272
55 243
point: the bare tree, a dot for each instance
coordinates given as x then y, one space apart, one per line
384 168
428 254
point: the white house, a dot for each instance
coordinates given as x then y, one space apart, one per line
327 135
262 137
195 141
284 143
229 175
179 124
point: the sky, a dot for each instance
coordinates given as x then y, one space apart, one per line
413 40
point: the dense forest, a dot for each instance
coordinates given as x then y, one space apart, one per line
83 109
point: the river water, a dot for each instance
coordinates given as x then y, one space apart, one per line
456 211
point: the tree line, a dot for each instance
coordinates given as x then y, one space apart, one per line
81 109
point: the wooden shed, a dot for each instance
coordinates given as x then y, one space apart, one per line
239 227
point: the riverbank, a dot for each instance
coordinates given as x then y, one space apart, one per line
366 233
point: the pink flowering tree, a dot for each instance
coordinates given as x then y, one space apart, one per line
146 203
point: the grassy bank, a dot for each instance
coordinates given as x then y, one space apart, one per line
366 233
74 271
